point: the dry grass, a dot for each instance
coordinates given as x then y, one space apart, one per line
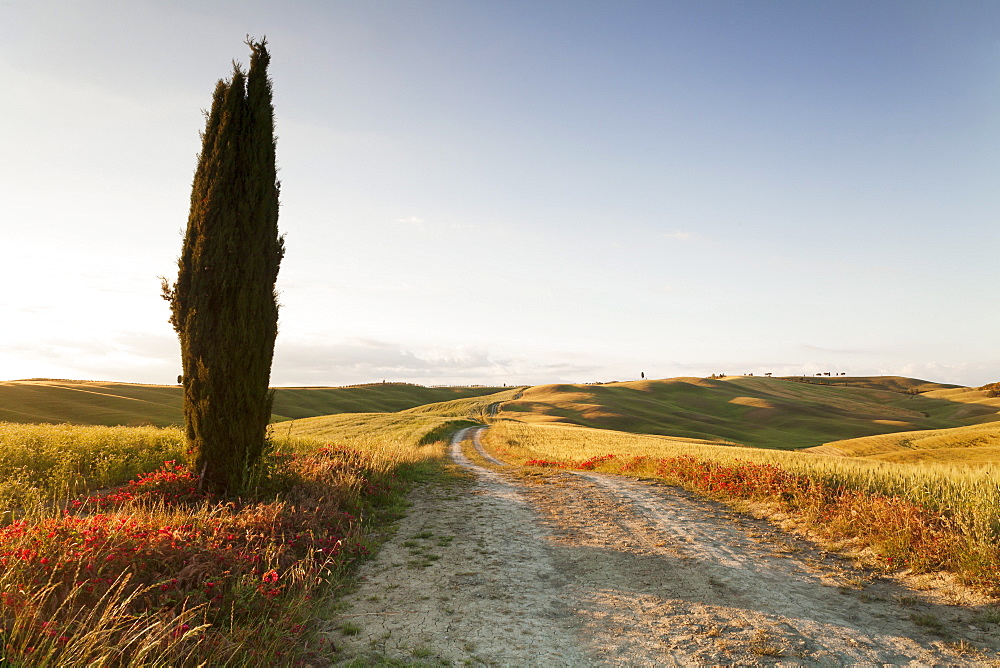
386 437
158 574
154 573
476 408
49 464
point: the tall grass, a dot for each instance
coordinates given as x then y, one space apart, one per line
474 408
52 463
390 437
153 572
925 516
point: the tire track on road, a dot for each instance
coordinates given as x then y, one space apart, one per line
662 577
468 579
800 604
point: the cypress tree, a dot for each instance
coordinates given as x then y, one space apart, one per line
223 305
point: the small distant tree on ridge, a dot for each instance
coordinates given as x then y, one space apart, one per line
223 305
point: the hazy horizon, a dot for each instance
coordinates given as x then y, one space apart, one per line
819 375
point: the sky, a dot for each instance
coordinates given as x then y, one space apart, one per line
521 192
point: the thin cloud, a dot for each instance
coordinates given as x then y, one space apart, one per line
434 227
678 235
414 222
368 360
137 357
835 351
962 373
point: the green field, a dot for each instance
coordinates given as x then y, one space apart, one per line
973 445
889 418
418 426
101 403
757 411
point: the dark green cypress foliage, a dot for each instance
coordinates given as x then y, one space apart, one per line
223 305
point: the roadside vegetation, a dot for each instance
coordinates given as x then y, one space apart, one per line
922 517
110 555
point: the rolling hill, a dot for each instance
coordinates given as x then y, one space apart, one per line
973 445
101 403
889 418
756 411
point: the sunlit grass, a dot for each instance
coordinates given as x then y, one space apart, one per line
974 445
52 463
473 408
127 573
97 572
389 438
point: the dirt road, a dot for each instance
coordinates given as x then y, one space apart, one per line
539 568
